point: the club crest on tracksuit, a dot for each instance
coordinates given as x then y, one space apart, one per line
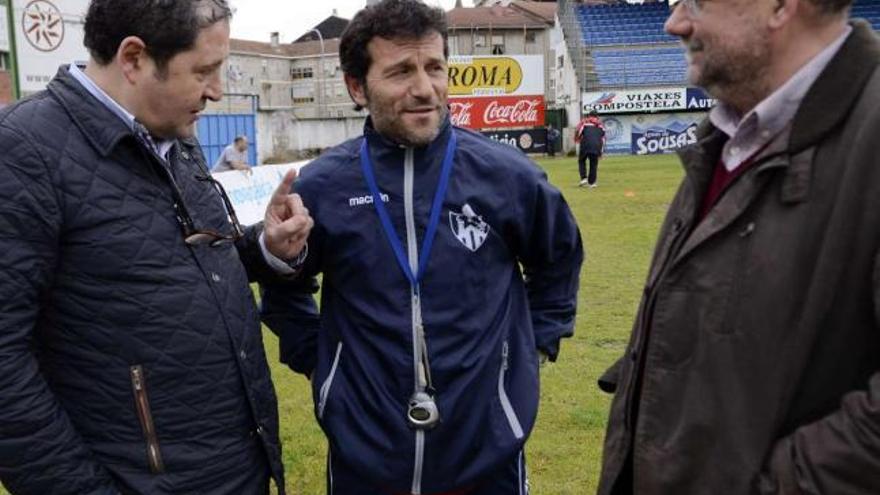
468 227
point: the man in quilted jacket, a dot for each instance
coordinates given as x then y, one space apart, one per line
131 358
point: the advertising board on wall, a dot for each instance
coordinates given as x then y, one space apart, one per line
496 75
526 140
497 112
697 99
650 134
4 30
663 135
647 100
640 100
48 33
496 92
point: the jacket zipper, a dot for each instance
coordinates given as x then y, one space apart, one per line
142 404
512 420
328 382
417 331
680 230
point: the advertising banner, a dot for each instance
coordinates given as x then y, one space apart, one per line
629 101
496 75
664 135
526 140
697 99
650 134
617 135
4 30
48 33
250 192
497 112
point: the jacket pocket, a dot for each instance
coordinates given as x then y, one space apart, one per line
609 380
142 406
512 420
328 382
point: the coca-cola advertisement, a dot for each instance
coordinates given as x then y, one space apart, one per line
497 112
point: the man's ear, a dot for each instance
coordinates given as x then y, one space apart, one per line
783 12
356 90
132 57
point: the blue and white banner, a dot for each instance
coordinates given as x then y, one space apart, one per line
250 192
617 135
697 99
664 136
650 133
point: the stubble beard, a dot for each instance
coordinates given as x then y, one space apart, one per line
736 75
394 129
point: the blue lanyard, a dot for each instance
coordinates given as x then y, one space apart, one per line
390 234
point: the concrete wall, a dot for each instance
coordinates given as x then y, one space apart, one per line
320 95
282 134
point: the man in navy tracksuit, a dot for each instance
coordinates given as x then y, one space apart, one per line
425 367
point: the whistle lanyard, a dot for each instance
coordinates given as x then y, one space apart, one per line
388 227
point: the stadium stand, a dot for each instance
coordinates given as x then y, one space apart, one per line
626 45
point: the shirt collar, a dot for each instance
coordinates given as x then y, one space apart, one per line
776 111
162 146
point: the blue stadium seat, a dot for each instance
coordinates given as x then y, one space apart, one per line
630 48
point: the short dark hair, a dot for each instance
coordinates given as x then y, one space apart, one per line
389 19
832 6
167 27
239 138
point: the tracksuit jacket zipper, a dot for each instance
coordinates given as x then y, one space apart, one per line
419 372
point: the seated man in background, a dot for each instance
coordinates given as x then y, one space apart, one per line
233 157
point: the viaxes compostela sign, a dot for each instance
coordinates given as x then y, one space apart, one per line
496 75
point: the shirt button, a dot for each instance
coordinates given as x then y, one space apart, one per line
184 155
215 277
765 134
242 355
260 430
734 150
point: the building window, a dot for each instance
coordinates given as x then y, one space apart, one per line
479 40
301 95
531 36
560 61
453 45
497 44
301 73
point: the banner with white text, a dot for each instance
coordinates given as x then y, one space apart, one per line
497 112
250 192
650 134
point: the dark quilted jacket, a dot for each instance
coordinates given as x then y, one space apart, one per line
105 311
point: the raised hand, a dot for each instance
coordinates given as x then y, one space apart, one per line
287 222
